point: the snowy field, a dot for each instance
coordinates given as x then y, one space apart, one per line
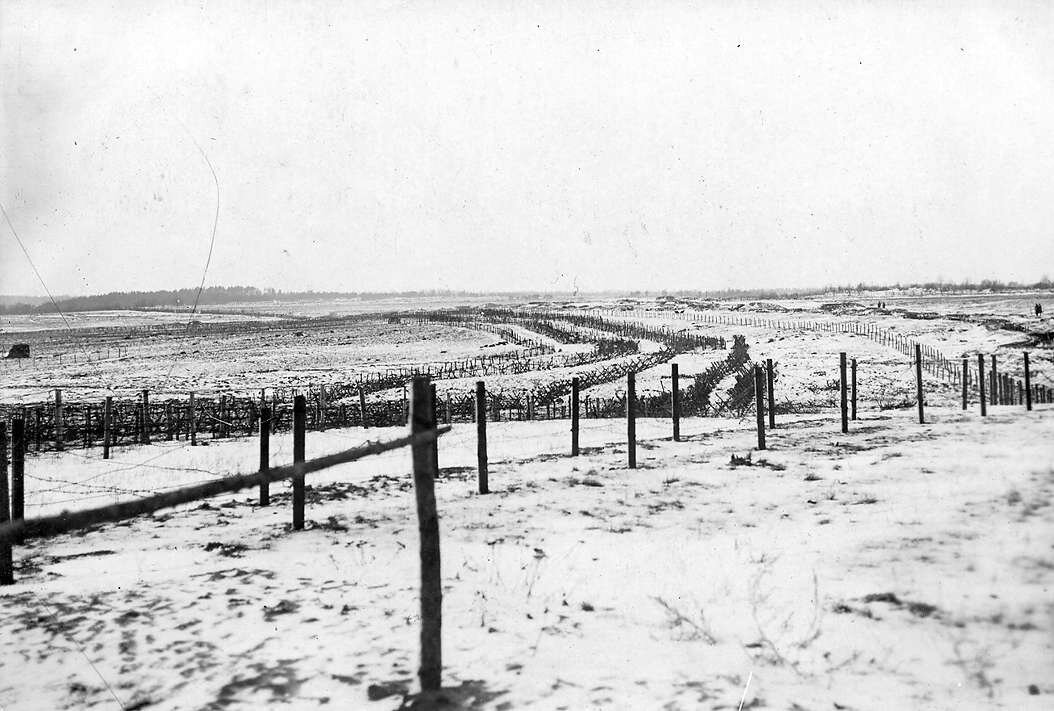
899 566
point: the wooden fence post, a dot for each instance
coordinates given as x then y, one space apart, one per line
107 424
299 427
1028 385
425 472
59 430
852 391
770 380
87 426
265 453
435 420
759 404
574 416
193 422
918 382
18 469
481 437
7 571
168 420
843 395
993 394
980 382
675 401
631 421
144 431
362 409
965 379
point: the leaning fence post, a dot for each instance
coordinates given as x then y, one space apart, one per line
852 392
481 436
770 379
59 433
1028 385
843 397
918 382
631 422
980 382
675 401
299 426
425 472
265 453
7 571
965 379
574 416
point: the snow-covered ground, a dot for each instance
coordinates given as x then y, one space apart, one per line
899 566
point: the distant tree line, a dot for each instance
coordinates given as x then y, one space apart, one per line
185 299
210 296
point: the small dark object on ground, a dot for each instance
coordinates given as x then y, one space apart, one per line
19 350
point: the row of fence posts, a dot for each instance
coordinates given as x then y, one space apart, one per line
1024 388
1002 389
16 495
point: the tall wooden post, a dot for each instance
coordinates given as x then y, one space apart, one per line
60 437
843 395
168 421
759 404
18 469
481 436
675 401
631 419
299 428
574 416
265 453
425 472
362 409
87 426
770 380
980 383
994 394
144 431
1028 385
193 422
852 392
918 382
322 407
435 419
107 425
965 379
7 570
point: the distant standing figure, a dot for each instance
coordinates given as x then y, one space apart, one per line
1039 310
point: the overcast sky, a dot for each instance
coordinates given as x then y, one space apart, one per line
650 145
